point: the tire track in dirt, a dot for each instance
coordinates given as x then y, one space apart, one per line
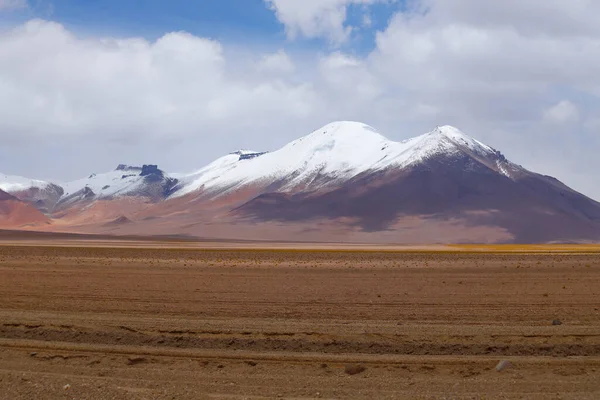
163 323
292 342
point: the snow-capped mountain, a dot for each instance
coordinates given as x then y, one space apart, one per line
330 156
147 181
12 183
441 175
43 195
125 181
322 160
346 178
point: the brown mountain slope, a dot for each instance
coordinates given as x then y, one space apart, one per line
42 198
15 213
531 207
343 182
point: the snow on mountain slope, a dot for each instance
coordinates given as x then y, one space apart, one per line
330 155
325 158
122 179
41 194
458 137
12 183
125 180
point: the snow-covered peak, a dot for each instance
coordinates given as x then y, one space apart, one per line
451 132
122 181
12 183
104 184
339 145
345 129
460 138
336 152
325 158
347 132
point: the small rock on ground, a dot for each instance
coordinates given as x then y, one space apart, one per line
557 322
135 360
353 369
502 365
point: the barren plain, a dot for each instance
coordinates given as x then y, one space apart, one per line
179 320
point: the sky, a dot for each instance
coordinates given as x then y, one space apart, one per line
87 85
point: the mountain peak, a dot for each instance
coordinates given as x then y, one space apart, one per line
341 135
457 137
345 129
449 130
12 183
346 125
329 155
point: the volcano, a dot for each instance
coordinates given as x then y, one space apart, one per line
342 182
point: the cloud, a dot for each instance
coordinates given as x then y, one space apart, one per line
12 4
317 18
518 76
501 71
276 62
561 113
491 68
348 78
528 18
127 88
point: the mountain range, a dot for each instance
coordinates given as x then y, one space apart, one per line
343 182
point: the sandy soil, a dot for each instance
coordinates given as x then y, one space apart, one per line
164 323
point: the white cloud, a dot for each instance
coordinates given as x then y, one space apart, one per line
531 17
501 74
480 72
492 68
562 113
12 4
276 62
54 83
316 18
349 79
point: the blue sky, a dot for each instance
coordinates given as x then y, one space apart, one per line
223 19
521 76
152 18
229 21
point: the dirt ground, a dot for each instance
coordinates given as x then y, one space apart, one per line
157 322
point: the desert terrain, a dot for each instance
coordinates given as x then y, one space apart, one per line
84 318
